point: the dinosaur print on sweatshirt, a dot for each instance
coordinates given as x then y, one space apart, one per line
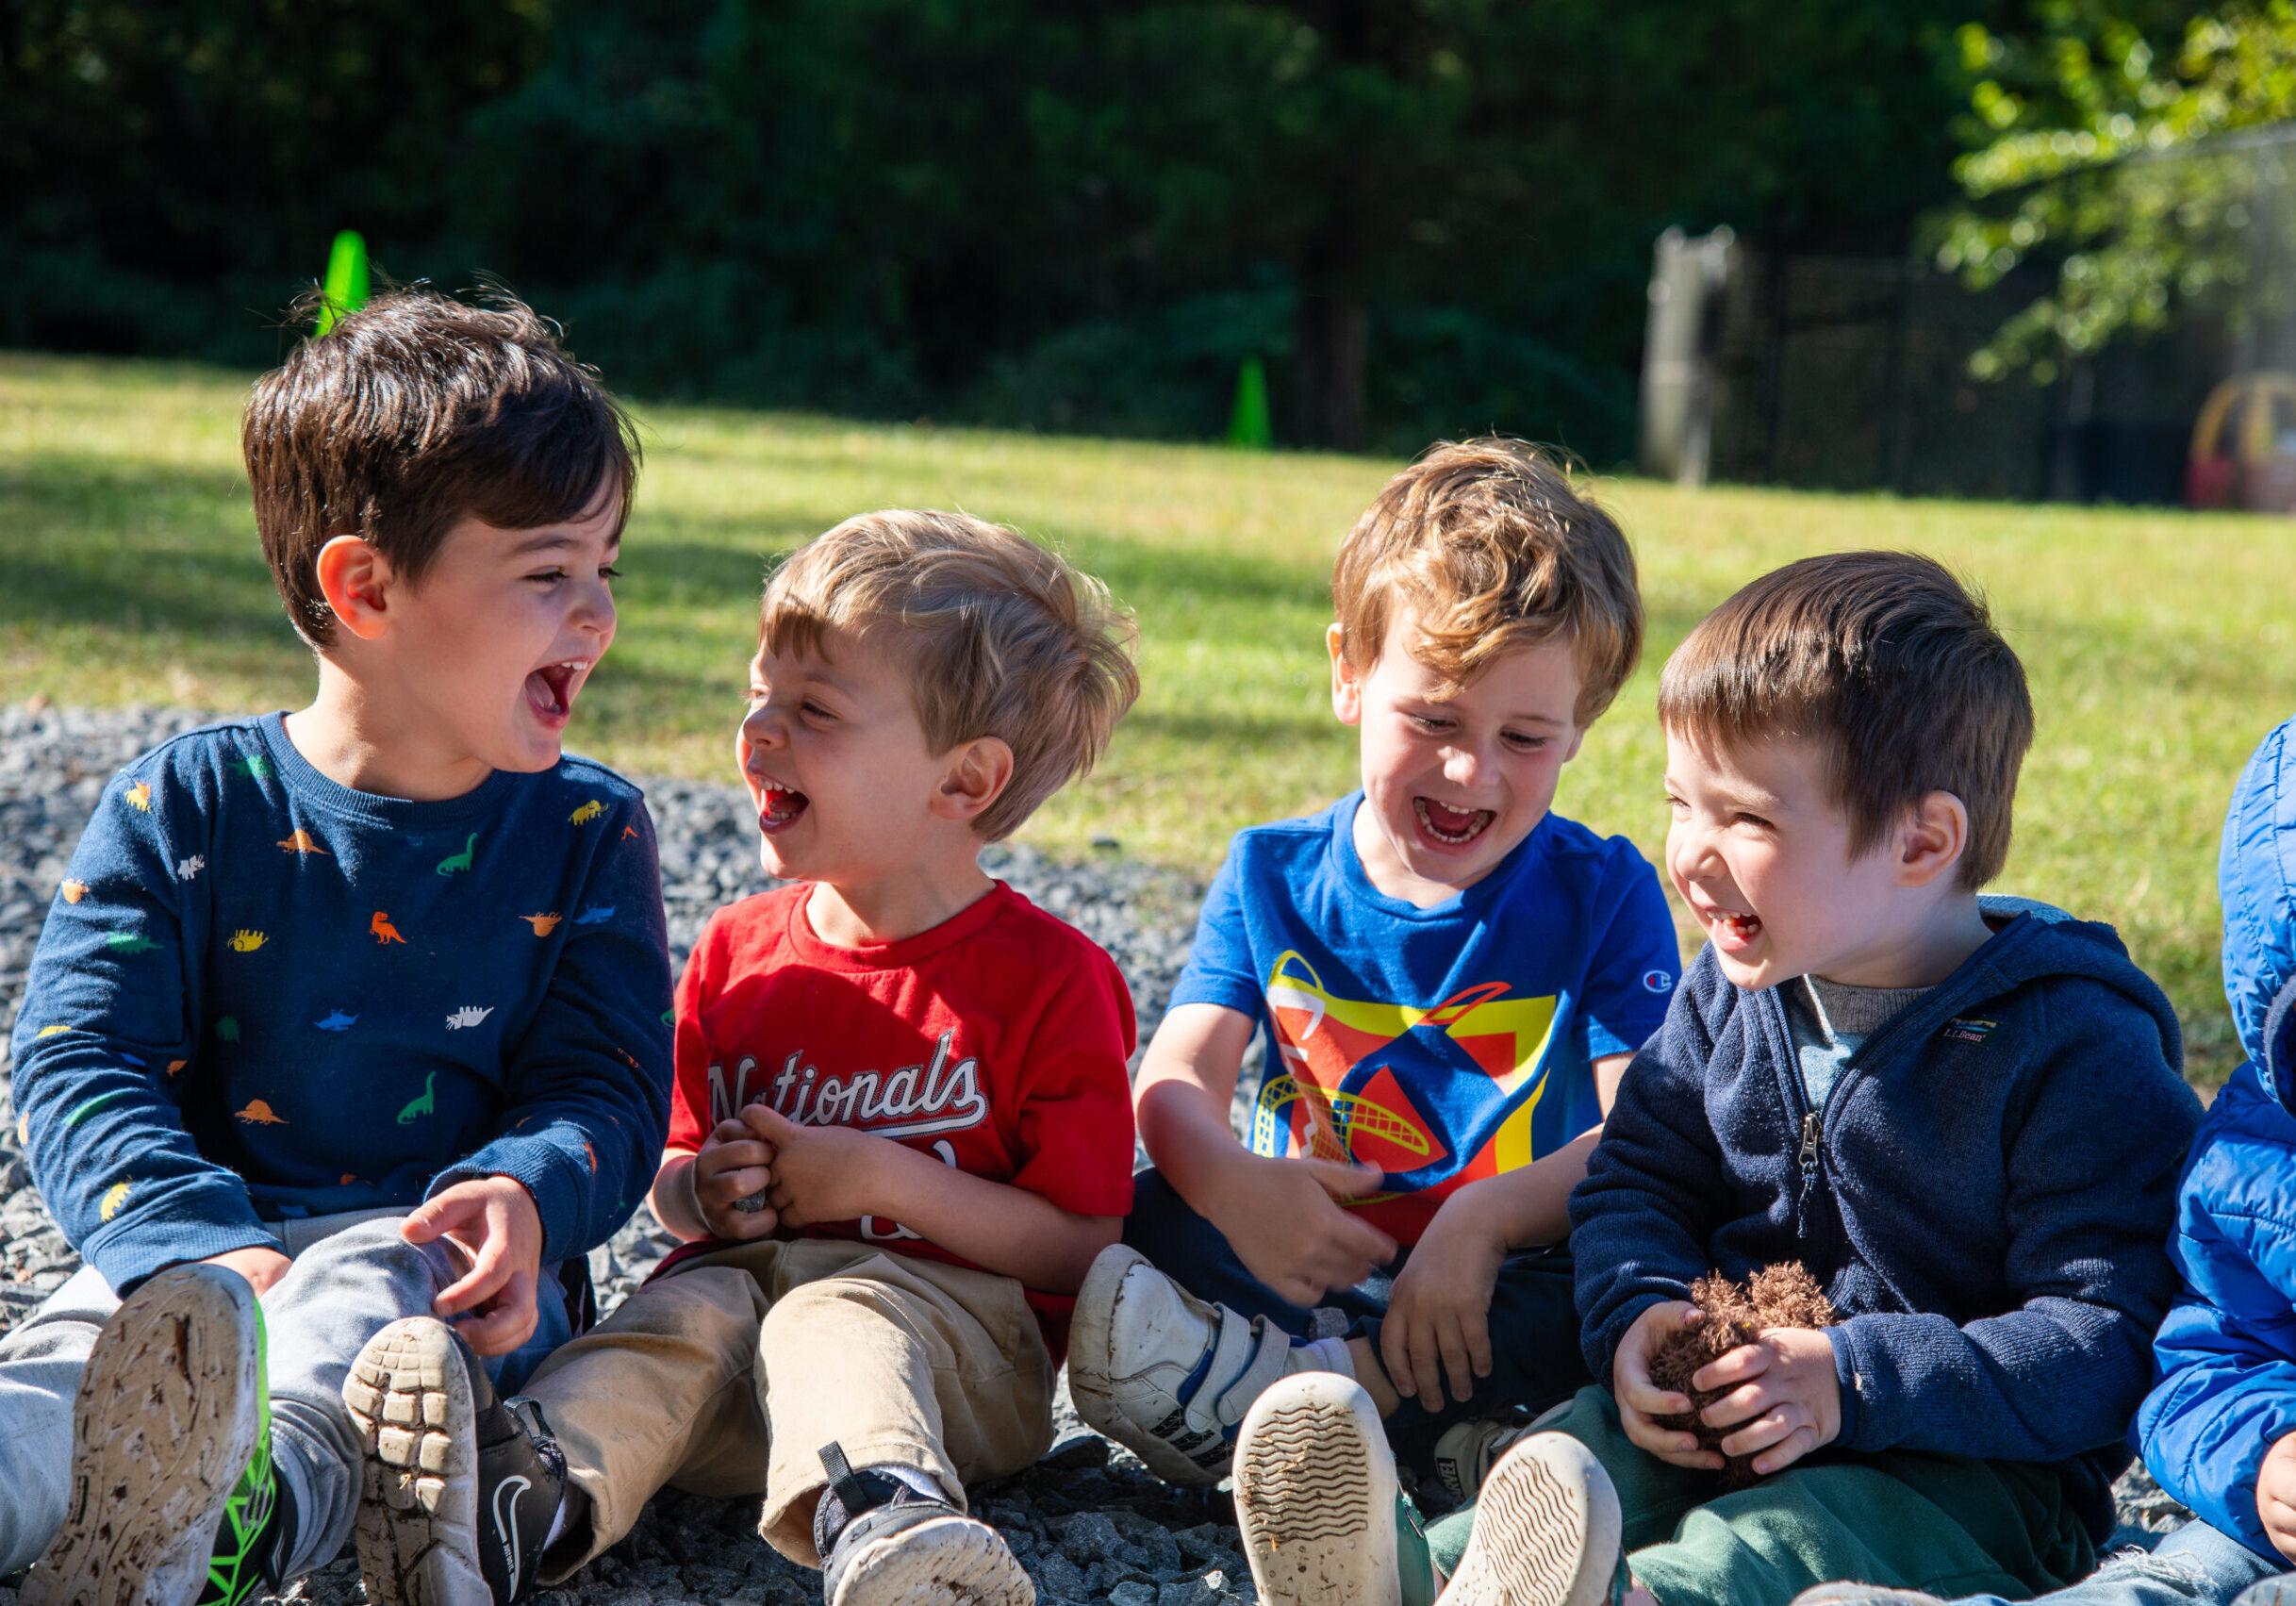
114 1197
303 844
468 1015
586 813
139 797
259 1113
454 863
245 941
73 889
385 934
543 924
423 1103
130 942
187 869
255 765
338 1021
596 914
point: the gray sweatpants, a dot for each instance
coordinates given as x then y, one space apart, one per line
353 1276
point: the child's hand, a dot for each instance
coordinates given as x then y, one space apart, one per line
2276 1495
494 1221
821 1173
1282 1219
1639 1399
1440 1310
1786 1400
731 1166
261 1264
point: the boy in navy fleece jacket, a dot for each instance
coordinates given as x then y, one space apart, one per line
1965 1118
358 1012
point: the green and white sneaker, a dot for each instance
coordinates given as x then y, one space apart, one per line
174 1497
1323 1519
1547 1532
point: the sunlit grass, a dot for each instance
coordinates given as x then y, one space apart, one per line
2157 644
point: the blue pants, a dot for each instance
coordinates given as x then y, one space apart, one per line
2196 1565
1535 1361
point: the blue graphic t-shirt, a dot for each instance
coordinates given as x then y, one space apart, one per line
1441 1045
261 994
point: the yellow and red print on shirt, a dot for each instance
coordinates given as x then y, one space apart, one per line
1436 1094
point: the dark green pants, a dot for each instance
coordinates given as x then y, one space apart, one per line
1949 1525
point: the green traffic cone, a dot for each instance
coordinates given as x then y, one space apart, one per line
346 287
1247 421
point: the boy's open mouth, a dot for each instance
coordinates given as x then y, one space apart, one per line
777 806
550 691
1453 827
1733 932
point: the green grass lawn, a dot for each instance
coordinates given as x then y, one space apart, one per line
2157 644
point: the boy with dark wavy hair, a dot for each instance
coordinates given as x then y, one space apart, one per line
349 1012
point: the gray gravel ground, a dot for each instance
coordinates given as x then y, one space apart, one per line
1088 1522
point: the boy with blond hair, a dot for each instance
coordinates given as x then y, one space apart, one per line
350 1012
900 1129
1449 978
1963 1117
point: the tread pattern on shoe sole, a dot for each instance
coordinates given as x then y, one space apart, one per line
954 1562
402 1395
1309 1509
1308 1483
151 1475
1531 1541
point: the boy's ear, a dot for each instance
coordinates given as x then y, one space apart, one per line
356 580
974 776
1346 685
1931 840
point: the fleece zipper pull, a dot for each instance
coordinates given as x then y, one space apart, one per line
1808 1161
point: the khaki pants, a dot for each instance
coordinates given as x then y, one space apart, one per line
728 1376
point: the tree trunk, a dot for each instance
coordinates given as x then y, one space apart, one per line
1328 380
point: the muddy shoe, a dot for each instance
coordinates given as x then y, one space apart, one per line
1547 1532
1167 1375
884 1542
1323 1521
174 1499
459 1487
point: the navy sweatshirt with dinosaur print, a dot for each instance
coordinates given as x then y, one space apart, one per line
261 995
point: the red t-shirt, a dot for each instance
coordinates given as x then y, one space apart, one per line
996 1041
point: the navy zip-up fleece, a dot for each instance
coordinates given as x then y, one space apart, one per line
1986 1195
261 995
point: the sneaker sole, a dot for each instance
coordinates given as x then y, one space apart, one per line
1092 1391
162 1426
417 1529
1546 1530
1315 1496
951 1562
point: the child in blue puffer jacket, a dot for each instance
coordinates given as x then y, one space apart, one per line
2218 1428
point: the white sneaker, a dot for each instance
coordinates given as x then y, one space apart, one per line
1315 1496
1547 1532
1467 1450
1165 1374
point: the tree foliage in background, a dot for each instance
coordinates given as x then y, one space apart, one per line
1428 216
2109 140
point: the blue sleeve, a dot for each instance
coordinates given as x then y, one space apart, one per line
2227 1355
1220 967
110 1014
2092 1171
1641 1219
587 1101
1636 962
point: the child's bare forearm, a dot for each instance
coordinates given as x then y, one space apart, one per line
995 1226
672 1197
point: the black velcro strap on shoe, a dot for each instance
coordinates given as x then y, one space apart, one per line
852 1492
